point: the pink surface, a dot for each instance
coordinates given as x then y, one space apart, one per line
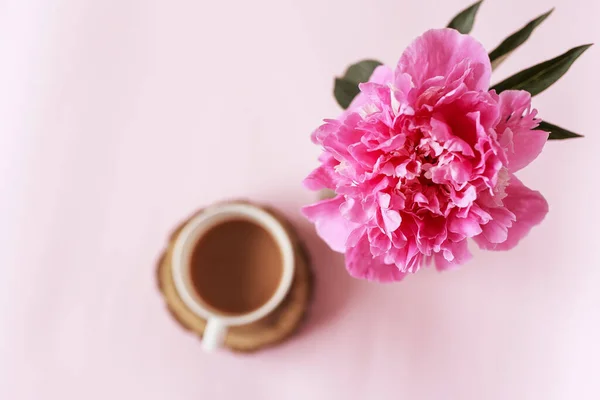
114 117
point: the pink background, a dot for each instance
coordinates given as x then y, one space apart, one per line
118 118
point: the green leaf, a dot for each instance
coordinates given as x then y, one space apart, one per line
346 87
556 132
541 76
463 22
361 71
511 43
345 91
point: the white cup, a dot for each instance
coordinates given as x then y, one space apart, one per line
216 323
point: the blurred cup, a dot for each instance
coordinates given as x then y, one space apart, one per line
232 264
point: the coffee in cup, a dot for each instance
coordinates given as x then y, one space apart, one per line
233 264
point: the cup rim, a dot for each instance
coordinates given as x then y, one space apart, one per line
202 223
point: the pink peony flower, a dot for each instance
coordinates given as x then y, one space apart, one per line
423 159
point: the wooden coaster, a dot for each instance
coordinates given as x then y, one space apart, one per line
274 328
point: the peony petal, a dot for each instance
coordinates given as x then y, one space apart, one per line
438 51
465 197
467 227
361 264
331 226
441 264
353 210
529 208
460 255
516 129
355 236
440 131
392 144
391 220
378 242
384 200
362 155
400 95
382 75
496 230
493 233
324 176
329 127
407 258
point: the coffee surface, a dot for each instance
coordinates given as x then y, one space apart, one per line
236 267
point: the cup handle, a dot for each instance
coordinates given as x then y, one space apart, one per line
214 334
